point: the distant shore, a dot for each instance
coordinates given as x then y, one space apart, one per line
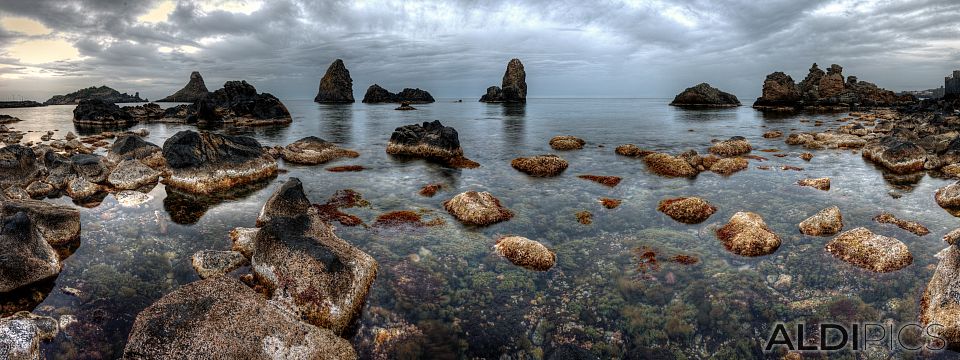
19 104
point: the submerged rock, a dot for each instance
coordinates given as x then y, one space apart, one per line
911 226
704 95
336 86
940 304
748 235
431 141
514 86
58 224
477 208
193 91
540 165
312 150
206 163
130 198
727 166
816 183
222 318
210 263
669 165
25 257
605 180
828 221
100 113
526 253
132 174
877 253
772 134
688 210
631 150
566 142
734 146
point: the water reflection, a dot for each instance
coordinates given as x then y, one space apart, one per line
187 208
337 120
514 117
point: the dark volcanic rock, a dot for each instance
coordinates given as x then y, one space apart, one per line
238 102
514 86
221 318
6 119
336 86
18 166
145 112
311 271
195 90
25 257
377 94
131 147
823 90
93 168
288 200
58 224
102 93
431 140
704 95
206 163
99 112
132 174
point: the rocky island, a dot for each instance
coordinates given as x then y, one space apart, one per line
193 91
336 86
513 89
821 90
376 94
103 93
19 104
704 95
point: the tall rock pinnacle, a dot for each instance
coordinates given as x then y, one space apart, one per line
195 90
336 86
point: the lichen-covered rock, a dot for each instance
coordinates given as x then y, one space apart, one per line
748 235
526 253
477 208
132 174
289 200
513 89
948 197
25 257
220 318
566 142
311 272
704 95
898 156
22 333
131 147
312 150
210 263
734 146
828 221
911 226
688 210
336 86
939 304
431 141
58 224
18 166
816 183
91 167
727 166
631 150
863 248
669 165
207 163
540 165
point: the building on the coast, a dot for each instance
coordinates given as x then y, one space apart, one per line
951 84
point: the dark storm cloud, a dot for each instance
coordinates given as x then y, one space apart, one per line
457 48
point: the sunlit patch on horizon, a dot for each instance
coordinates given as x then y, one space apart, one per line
24 26
43 51
159 13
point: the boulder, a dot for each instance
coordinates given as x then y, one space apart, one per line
22 333
734 146
312 150
540 165
289 200
513 88
58 224
91 167
748 235
727 166
526 253
18 166
631 150
948 197
816 183
477 208
336 86
97 112
25 257
312 272
207 163
81 189
779 90
898 156
132 174
704 95
669 165
210 263
940 304
131 147
863 248
688 210
193 91
566 142
239 103
431 141
220 318
828 221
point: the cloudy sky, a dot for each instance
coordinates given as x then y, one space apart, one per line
570 48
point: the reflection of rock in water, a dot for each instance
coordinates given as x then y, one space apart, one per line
87 130
25 298
514 118
187 208
338 123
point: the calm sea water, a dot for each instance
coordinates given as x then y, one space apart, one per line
445 292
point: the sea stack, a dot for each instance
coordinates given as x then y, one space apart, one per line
336 86
514 86
704 95
195 90
377 94
823 90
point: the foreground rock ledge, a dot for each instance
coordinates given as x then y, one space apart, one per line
877 253
748 235
940 304
222 318
207 163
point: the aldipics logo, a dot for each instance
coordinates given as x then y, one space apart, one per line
854 337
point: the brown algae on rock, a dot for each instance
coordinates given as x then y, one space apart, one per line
526 253
688 210
747 234
877 253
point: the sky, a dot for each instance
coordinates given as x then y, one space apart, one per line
456 49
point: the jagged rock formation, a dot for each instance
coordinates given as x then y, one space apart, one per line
336 86
236 103
431 141
195 90
100 113
514 86
704 95
824 90
376 94
102 93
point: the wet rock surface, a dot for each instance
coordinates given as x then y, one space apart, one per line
688 210
704 95
816 183
828 221
911 226
336 86
734 146
526 253
206 162
431 141
566 142
877 253
669 165
26 256
747 234
312 150
540 165
477 208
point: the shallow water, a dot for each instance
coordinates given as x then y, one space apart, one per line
450 296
